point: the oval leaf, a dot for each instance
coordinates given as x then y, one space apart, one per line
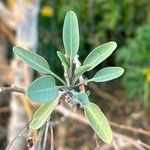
99 54
42 114
43 89
34 60
98 122
107 74
80 70
64 60
71 34
82 98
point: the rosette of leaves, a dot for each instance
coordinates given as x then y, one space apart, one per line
45 90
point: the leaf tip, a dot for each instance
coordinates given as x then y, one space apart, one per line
33 126
108 140
122 70
71 12
15 48
114 44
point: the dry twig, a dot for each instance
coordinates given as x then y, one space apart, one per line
103 94
52 137
68 114
78 117
12 89
137 143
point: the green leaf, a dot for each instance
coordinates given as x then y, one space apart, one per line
80 70
82 98
107 74
43 89
99 54
98 122
71 34
64 60
34 60
42 114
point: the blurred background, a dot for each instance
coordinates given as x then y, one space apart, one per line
38 25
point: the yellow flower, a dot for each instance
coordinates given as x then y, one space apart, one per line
147 73
10 3
47 11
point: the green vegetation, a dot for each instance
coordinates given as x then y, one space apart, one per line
45 90
101 21
134 56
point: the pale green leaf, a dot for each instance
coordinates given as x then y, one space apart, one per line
80 70
99 54
43 89
71 34
98 122
34 60
82 98
64 60
107 74
42 114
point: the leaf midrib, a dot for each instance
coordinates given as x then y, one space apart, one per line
103 53
70 23
46 89
47 111
105 76
30 60
97 121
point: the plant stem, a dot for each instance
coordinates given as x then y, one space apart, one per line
84 82
74 81
57 77
70 71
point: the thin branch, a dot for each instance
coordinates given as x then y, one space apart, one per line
134 142
96 140
137 143
38 144
46 134
103 94
131 129
52 137
115 145
61 109
26 127
12 89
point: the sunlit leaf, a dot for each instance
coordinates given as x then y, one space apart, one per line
80 70
43 89
34 60
64 60
42 114
98 122
107 74
71 34
99 54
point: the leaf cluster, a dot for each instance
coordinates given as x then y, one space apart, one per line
45 90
